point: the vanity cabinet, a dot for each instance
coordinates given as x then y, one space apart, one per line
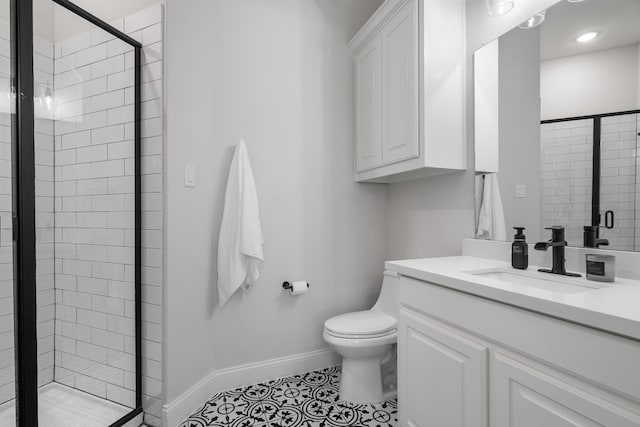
433 354
468 361
409 91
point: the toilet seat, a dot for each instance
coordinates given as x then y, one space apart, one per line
392 332
347 344
361 325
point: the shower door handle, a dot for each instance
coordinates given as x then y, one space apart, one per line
609 220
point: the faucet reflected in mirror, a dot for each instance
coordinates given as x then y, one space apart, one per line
592 239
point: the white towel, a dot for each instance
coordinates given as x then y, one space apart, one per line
491 221
478 196
240 243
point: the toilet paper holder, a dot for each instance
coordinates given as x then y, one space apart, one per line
288 286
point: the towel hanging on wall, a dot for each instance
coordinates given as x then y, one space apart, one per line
491 220
240 243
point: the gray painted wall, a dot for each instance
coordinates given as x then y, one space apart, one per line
520 129
279 75
593 83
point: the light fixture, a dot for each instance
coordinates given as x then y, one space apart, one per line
534 21
575 1
48 97
499 7
43 95
587 37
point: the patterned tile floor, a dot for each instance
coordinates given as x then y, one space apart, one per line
305 400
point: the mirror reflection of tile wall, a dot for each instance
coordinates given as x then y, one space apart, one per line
566 156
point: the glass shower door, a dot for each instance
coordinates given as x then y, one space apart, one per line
70 218
85 94
7 342
619 181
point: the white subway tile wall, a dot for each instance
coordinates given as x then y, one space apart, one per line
83 266
566 157
147 25
637 237
45 214
7 366
94 218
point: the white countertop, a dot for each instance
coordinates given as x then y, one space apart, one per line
615 307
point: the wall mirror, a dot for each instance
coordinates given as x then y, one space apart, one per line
557 123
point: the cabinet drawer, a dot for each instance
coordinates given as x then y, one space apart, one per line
524 395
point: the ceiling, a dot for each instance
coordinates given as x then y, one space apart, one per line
617 21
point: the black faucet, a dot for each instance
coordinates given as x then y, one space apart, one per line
592 237
558 244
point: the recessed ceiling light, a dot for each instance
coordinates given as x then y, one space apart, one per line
499 7
587 37
575 1
534 21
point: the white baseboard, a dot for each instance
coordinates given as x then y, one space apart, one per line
240 376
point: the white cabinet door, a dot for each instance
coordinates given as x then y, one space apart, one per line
400 97
527 396
368 102
443 375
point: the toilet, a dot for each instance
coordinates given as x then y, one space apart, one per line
366 340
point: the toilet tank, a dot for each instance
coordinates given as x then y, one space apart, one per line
388 299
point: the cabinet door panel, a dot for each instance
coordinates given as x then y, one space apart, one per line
368 99
442 377
524 396
400 97
531 409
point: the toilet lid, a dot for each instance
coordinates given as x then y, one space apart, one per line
361 323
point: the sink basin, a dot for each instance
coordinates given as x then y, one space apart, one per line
535 279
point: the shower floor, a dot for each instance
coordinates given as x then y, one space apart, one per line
62 406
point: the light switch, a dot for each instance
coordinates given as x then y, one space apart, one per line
521 191
189 176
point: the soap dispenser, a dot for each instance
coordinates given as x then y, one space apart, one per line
519 250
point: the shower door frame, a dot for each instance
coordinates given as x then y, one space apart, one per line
596 216
23 199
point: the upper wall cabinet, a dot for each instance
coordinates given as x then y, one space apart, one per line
409 91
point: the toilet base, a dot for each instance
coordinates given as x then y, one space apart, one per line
361 381
362 363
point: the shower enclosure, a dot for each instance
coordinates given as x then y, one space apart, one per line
70 218
590 176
